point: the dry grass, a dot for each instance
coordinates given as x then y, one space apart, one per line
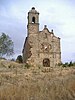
18 83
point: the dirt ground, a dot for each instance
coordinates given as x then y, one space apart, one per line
20 83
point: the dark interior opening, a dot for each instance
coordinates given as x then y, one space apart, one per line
33 19
46 62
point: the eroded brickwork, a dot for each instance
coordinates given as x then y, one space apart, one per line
41 48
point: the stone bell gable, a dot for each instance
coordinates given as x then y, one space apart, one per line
41 48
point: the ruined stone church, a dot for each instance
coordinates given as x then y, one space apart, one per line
41 48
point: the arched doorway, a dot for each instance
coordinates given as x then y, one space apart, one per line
46 62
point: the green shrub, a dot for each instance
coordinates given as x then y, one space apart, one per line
19 59
65 65
70 64
73 63
60 64
27 65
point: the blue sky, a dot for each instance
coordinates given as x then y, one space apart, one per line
58 15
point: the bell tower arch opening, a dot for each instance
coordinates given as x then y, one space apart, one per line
46 62
33 19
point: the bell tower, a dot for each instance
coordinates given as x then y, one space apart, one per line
33 21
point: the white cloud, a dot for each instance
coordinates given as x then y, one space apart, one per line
59 15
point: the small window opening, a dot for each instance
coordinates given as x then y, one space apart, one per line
46 62
33 19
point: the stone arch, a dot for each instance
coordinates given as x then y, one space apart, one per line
33 19
46 62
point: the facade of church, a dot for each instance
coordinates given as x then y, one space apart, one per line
41 48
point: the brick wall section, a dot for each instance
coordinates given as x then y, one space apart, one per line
41 45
